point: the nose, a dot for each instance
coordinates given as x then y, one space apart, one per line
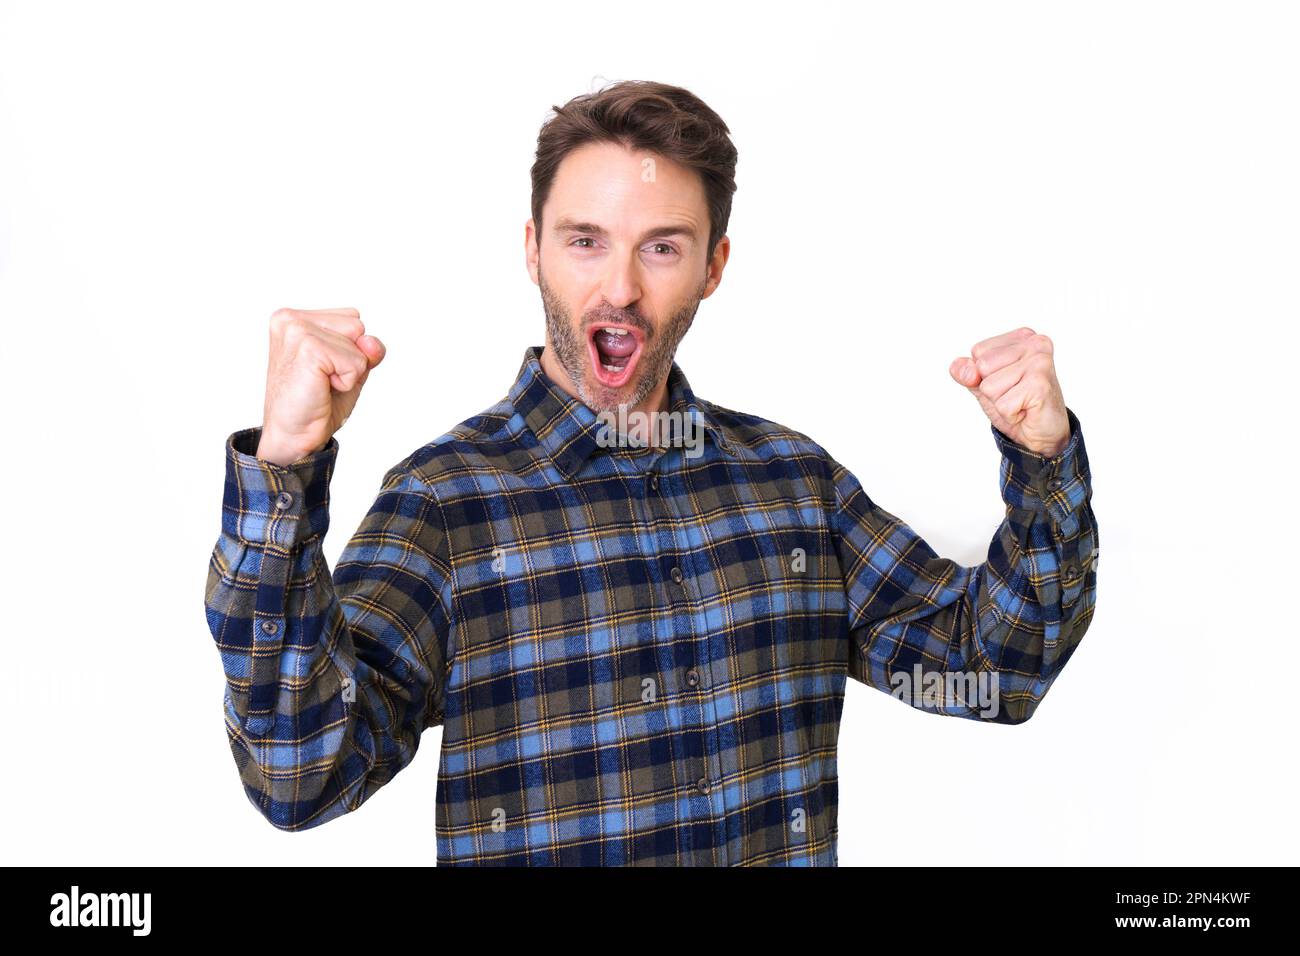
621 283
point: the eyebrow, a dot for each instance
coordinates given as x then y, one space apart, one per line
591 229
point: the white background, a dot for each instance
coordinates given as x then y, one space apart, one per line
912 178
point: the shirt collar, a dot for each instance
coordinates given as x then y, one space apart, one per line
567 429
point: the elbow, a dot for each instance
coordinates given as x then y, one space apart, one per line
1014 716
289 817
292 815
1012 708
290 799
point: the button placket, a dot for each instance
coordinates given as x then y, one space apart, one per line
1073 574
698 708
264 671
688 707
1065 527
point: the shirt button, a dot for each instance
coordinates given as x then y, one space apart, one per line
692 678
270 627
1071 572
654 482
1054 484
677 575
283 500
702 785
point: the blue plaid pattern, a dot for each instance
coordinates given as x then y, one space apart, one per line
637 655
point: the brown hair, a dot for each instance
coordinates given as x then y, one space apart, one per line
640 114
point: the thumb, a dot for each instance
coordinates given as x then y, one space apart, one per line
372 348
964 372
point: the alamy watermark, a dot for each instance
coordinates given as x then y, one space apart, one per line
922 688
102 909
663 429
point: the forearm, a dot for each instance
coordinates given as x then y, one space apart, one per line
287 721
1005 627
1036 592
313 729
1035 597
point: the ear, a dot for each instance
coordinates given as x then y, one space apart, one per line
532 255
717 262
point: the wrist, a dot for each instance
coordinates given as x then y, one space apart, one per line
1055 449
278 451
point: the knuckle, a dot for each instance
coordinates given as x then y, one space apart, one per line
295 329
1042 342
313 346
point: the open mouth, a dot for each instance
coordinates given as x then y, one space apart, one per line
614 352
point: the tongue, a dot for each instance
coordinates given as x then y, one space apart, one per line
615 346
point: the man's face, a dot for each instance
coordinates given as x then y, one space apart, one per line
622 265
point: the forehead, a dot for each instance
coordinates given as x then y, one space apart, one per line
608 181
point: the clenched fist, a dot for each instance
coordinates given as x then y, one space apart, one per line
1014 377
319 360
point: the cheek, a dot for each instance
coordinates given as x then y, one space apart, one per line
563 292
580 293
687 289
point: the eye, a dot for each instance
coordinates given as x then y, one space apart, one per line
668 250
583 239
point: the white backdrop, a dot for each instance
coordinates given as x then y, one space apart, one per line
912 178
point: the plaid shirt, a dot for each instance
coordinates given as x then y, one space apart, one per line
637 655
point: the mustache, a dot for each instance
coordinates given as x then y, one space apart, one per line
597 319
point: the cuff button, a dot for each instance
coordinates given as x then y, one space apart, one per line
258 725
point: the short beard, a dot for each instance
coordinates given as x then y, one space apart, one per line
570 346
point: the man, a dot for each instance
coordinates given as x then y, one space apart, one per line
635 637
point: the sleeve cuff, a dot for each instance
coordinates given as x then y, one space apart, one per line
1059 484
270 504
